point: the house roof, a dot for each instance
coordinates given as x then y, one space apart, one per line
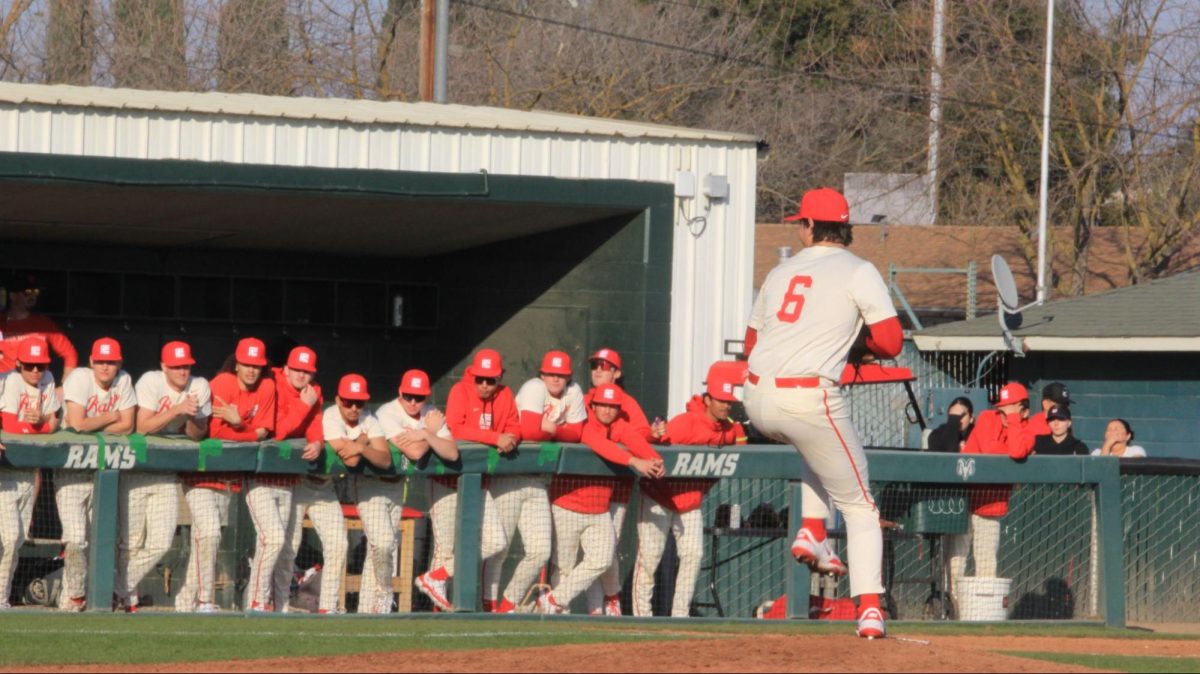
318 110
1162 315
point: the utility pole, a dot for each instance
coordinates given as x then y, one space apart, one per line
935 101
428 23
1043 192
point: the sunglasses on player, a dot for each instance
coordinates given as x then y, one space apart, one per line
490 381
603 365
408 397
357 404
33 367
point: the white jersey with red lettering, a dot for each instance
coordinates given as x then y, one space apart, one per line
153 393
810 310
82 389
394 420
19 396
567 409
807 315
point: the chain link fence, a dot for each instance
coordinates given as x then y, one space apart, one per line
1160 503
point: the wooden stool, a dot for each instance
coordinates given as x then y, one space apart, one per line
402 582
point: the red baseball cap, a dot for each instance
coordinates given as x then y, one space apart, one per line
487 363
608 355
556 362
34 351
415 383
302 358
1012 393
720 387
608 394
824 204
353 387
175 354
251 351
106 349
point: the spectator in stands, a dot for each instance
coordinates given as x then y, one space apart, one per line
1060 441
1054 394
1003 430
18 322
1117 438
952 435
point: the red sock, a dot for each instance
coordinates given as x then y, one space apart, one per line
439 573
816 526
489 605
866 601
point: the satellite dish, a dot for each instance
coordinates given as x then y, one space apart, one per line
1006 286
1009 313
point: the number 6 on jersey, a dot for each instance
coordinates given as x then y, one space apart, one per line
793 301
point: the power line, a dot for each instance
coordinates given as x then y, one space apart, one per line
827 77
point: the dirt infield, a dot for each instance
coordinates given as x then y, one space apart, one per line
763 653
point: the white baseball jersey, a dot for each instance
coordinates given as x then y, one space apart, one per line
336 428
19 396
808 333
153 393
394 420
569 409
82 389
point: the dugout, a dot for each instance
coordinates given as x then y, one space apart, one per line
385 235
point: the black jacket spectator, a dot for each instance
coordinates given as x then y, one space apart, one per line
1045 445
949 436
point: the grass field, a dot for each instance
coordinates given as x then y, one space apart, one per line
56 639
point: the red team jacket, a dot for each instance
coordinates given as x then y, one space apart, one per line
474 419
257 409
991 436
631 412
293 419
693 427
591 495
12 331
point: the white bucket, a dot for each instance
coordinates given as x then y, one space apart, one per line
983 599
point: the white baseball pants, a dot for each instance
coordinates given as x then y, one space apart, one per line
149 513
573 532
522 505
270 507
320 501
983 539
816 421
73 496
380 508
209 509
654 523
16 513
443 511
609 582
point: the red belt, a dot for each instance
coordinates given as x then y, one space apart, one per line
791 382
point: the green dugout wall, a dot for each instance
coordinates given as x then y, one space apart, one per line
148 251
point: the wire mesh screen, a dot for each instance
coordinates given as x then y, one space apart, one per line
880 413
1162 547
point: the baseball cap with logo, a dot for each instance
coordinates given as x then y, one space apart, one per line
251 351
1059 412
1057 393
175 354
556 362
824 204
302 358
486 364
106 349
608 394
1012 393
607 355
33 351
415 383
720 387
353 387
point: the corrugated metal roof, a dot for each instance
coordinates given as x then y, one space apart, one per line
1166 309
352 111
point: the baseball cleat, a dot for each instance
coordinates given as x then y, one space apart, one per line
816 554
612 605
75 605
435 590
256 607
384 604
207 607
505 606
548 606
331 611
871 625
